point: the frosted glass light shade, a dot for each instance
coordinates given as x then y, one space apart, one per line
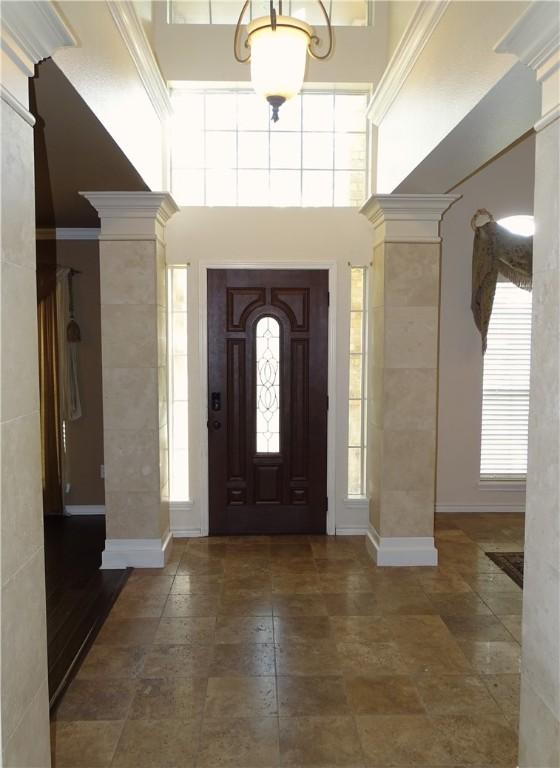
279 56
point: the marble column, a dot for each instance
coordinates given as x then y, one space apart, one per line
534 39
134 362
30 32
403 376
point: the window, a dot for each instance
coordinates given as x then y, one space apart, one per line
505 391
267 355
357 383
342 13
226 152
178 384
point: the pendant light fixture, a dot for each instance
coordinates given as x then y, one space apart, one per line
278 46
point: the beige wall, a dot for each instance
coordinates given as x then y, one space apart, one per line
505 187
24 688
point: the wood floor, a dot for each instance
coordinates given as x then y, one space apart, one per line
79 595
254 652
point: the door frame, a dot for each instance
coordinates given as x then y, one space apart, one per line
329 267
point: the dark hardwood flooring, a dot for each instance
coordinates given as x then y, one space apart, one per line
79 595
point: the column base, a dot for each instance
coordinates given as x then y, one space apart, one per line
401 551
136 553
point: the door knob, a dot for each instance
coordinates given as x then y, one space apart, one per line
216 424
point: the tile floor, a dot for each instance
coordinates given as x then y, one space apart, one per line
297 651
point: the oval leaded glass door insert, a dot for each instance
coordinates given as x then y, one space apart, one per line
268 385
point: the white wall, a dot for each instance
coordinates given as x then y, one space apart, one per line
104 74
400 12
203 52
453 73
505 187
261 235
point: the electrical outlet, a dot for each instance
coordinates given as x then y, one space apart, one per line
102 471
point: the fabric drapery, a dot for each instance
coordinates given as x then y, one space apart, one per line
497 251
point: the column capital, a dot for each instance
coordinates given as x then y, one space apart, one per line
407 218
535 39
132 215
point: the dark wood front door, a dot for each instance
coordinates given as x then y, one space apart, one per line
267 400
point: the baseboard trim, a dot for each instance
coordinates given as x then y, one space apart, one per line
351 530
479 508
136 553
186 533
84 509
401 551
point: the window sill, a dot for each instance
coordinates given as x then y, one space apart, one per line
357 500
514 486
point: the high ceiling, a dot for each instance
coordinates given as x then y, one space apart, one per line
73 152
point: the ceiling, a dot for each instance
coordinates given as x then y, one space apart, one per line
73 152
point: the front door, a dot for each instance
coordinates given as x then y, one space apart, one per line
267 400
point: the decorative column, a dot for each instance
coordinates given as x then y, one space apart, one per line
134 361
403 376
30 32
535 40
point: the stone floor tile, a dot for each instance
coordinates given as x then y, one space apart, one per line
323 741
157 744
188 630
298 605
302 628
121 631
455 695
307 657
178 606
299 695
84 744
492 657
367 658
505 691
241 697
175 661
244 629
513 625
106 661
242 659
363 629
168 699
138 606
383 695
236 742
476 627
484 739
465 604
96 700
245 603
402 740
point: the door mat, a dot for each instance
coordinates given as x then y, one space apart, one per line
510 563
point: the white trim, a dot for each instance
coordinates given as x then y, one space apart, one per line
534 38
132 215
67 233
84 509
136 553
31 32
331 267
132 32
401 551
551 116
513 486
352 531
181 519
420 28
491 507
19 108
407 218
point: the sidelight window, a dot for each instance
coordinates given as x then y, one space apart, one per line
357 383
178 395
267 356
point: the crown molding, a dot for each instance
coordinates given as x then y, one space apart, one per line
406 218
67 233
132 32
32 31
420 28
19 108
535 38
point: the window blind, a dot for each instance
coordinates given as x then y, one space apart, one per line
505 390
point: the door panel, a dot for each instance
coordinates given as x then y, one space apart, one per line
267 409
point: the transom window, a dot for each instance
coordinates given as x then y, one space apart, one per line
267 356
226 152
342 13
